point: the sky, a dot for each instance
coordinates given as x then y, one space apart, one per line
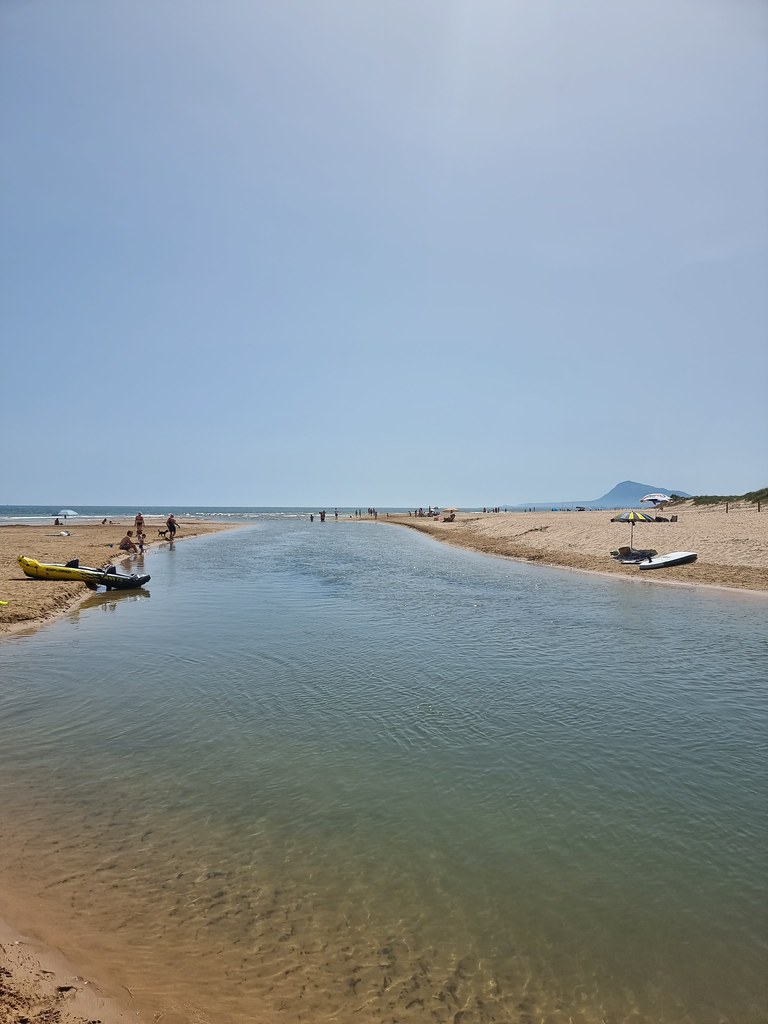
323 252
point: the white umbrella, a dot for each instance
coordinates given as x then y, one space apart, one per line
657 498
67 512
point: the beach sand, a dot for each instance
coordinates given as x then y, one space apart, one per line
33 602
732 546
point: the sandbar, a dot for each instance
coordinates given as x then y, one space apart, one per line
732 545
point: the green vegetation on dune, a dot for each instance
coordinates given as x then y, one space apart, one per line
719 499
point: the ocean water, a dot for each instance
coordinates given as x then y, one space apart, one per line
241 513
342 773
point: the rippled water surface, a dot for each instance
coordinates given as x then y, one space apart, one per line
338 772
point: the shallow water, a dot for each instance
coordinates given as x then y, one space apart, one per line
339 772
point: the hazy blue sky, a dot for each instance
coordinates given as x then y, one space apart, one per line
410 251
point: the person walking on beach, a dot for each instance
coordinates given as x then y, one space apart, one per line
170 523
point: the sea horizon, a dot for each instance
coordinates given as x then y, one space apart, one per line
30 514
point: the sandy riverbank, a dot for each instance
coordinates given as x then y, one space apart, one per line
33 602
732 546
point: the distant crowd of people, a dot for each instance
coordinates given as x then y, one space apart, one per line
357 514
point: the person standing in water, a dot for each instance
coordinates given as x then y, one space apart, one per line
171 525
139 524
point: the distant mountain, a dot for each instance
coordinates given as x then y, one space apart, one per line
627 494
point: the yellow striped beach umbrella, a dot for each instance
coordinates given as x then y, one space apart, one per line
633 516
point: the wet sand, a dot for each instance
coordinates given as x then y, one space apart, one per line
732 546
38 985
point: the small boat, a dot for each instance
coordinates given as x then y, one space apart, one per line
664 561
92 578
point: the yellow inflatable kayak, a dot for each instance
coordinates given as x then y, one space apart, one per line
109 577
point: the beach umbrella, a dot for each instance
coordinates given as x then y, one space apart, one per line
657 498
632 517
67 512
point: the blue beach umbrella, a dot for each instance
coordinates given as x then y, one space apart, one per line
67 512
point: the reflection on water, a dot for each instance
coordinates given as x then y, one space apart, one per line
302 782
109 600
